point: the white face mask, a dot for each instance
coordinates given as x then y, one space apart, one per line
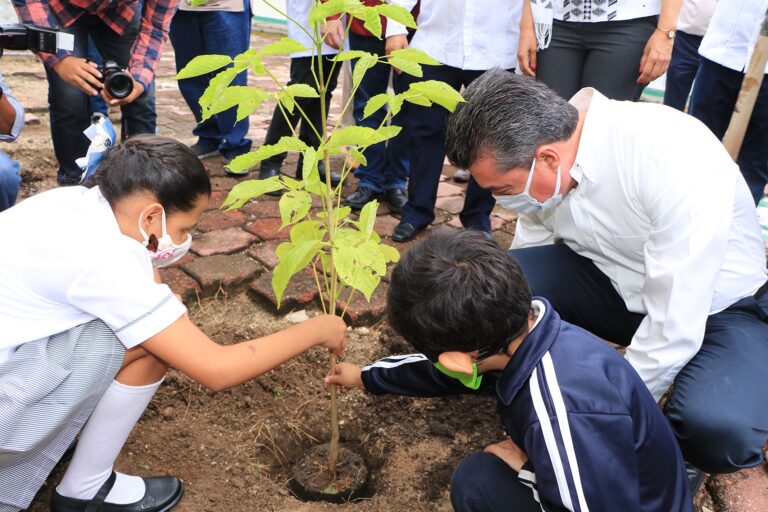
167 252
524 203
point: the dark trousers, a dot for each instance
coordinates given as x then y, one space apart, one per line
196 33
682 70
387 162
485 483
604 55
712 101
719 408
71 108
301 73
426 128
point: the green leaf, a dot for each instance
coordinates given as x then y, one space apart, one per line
417 99
197 3
250 58
247 190
375 103
248 160
215 88
310 173
246 98
203 64
439 92
363 64
307 230
368 217
287 96
406 66
414 55
251 102
387 132
397 13
283 46
294 206
352 136
372 22
293 259
357 155
323 10
389 253
349 55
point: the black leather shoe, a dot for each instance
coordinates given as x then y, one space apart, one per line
405 232
360 197
396 198
335 177
163 493
269 170
202 151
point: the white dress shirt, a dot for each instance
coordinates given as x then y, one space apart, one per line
465 34
733 32
663 211
594 12
18 123
298 10
695 15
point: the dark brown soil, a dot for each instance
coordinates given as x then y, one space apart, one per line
314 481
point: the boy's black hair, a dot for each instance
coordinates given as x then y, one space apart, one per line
458 291
161 166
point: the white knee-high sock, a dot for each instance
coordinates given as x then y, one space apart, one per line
100 442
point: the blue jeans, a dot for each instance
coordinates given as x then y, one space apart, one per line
426 135
71 108
10 179
195 33
387 166
714 95
682 70
718 409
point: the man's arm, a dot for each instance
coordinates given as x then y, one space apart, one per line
38 12
155 23
11 115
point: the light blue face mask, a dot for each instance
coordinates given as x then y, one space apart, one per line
524 203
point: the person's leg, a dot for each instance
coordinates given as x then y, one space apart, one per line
97 102
718 408
312 106
484 483
578 290
70 113
682 70
614 51
753 156
10 179
561 64
426 131
397 163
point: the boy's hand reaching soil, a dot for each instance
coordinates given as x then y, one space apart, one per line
510 453
348 376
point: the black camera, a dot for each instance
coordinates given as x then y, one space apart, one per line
117 82
32 37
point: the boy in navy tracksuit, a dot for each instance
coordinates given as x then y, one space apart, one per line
584 433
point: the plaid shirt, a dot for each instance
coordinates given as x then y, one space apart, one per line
117 15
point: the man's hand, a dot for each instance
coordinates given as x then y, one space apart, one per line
80 73
526 52
395 43
333 33
348 376
137 91
509 452
656 57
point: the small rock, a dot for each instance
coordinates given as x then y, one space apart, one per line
237 482
363 331
297 316
168 412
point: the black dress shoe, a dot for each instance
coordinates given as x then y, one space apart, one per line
405 232
203 151
269 170
162 494
396 198
360 197
335 177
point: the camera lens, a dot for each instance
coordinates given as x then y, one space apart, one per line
118 84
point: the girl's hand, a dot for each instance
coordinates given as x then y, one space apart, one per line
656 57
526 51
347 376
510 453
333 33
334 332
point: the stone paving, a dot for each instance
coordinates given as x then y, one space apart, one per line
235 251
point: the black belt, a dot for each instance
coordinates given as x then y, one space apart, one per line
761 291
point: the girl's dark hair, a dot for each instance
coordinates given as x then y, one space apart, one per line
458 291
161 166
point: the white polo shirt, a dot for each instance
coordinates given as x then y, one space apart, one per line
64 262
465 34
664 212
298 10
733 32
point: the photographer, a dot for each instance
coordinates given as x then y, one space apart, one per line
11 123
124 31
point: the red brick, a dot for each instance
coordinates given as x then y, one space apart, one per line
360 311
215 167
180 283
217 198
497 223
219 183
743 491
261 209
301 290
265 253
225 241
218 219
455 222
450 204
268 229
385 224
445 189
226 271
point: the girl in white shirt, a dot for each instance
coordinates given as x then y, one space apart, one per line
89 331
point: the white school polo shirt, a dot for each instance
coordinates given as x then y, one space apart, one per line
733 32
664 212
64 262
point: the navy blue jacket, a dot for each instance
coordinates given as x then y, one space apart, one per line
595 438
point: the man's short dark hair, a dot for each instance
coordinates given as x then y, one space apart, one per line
458 291
507 116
